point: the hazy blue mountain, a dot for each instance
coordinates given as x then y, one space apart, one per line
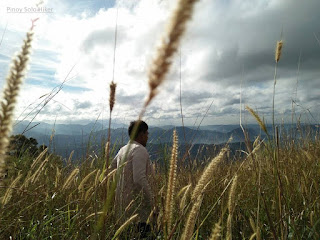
46 129
218 128
80 138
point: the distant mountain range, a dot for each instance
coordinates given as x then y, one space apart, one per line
69 137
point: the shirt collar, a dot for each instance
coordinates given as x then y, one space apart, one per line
135 142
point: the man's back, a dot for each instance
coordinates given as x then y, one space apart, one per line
133 194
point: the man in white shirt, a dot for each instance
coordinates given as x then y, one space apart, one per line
135 175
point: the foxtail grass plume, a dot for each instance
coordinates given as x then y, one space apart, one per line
183 201
96 180
278 50
216 233
72 175
112 97
193 215
89 193
8 194
35 162
258 119
171 182
70 158
85 179
169 45
188 230
207 174
10 94
123 226
38 172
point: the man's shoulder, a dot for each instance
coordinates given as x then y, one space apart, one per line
133 146
137 147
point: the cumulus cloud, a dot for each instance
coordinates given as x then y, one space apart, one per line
226 55
82 105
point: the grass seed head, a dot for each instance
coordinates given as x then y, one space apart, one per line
258 119
171 181
216 233
10 93
207 174
112 97
72 175
169 45
278 50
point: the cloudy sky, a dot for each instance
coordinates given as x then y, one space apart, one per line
226 55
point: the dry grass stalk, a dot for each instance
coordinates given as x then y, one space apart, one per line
89 193
277 58
107 148
253 236
252 224
58 174
36 174
169 45
123 226
70 157
39 158
96 180
171 182
85 179
129 205
258 235
189 227
112 100
7 196
231 207
72 175
256 148
184 197
26 181
10 94
258 119
110 174
93 214
207 174
216 233
278 50
107 151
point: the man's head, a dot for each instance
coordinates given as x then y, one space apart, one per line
138 131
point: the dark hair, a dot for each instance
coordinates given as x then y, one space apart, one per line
142 128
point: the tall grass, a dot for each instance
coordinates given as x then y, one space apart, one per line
273 192
66 202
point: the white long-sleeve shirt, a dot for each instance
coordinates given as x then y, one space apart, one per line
134 178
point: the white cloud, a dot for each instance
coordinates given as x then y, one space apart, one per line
227 42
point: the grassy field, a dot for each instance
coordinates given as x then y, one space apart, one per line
272 193
275 195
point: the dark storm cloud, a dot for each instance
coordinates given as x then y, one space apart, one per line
232 101
248 48
191 98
